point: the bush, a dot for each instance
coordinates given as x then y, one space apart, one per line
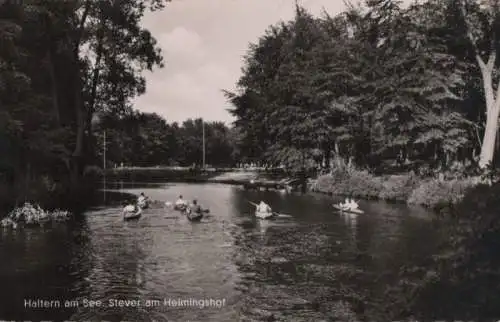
398 187
432 192
408 188
30 215
358 183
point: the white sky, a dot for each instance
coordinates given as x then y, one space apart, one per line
203 42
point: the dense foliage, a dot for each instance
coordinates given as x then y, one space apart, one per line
381 85
60 63
383 88
144 139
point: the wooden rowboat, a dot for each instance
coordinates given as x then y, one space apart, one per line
132 215
265 215
194 216
348 210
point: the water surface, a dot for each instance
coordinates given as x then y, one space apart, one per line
316 265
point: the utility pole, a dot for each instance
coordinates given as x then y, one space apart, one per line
203 130
104 152
104 164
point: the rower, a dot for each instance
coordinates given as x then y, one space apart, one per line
345 203
180 202
195 207
353 204
142 198
263 207
129 207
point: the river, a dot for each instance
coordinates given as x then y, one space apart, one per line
316 265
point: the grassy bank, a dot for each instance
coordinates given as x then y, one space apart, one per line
407 188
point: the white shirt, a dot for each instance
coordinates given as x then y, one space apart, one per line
141 199
180 202
263 208
129 208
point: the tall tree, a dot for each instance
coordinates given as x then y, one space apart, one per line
482 20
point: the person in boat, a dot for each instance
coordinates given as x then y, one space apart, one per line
131 208
351 204
180 203
262 207
194 207
142 200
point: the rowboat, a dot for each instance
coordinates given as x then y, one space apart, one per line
180 207
347 209
264 215
132 215
191 216
194 216
143 204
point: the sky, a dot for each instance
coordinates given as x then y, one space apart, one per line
203 43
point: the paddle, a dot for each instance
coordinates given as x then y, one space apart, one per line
274 213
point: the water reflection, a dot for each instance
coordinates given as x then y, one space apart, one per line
41 264
316 265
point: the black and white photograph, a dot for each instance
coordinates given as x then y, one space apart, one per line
249 160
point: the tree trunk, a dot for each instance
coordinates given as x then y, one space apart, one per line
492 98
327 157
77 156
488 146
53 79
79 108
492 112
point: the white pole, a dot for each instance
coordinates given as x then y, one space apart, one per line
203 127
104 152
104 165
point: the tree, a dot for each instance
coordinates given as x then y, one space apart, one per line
60 62
482 20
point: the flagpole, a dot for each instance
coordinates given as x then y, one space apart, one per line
104 152
203 129
104 165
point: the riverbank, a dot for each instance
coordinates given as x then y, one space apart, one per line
411 189
236 176
49 193
433 193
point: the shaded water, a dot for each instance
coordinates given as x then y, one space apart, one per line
316 265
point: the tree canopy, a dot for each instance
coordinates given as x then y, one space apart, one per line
60 64
380 84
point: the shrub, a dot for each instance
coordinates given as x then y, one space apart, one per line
357 183
30 215
398 187
432 192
